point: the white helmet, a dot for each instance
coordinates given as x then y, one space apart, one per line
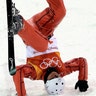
55 86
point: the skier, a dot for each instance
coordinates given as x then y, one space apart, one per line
43 58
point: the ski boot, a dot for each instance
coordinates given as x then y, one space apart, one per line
17 20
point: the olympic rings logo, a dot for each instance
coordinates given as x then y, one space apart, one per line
54 62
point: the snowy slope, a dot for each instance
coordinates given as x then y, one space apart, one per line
76 37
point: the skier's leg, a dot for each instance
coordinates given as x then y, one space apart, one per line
23 71
77 64
32 38
28 33
45 23
47 20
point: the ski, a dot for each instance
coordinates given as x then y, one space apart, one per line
11 53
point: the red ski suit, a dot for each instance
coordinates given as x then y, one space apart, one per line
35 34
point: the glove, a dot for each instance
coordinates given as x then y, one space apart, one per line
82 84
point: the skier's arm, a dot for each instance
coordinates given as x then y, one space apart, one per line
79 64
23 71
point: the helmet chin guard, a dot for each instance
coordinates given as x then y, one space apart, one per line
55 86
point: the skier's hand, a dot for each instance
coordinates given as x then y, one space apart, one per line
82 84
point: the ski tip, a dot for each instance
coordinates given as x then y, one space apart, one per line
12 72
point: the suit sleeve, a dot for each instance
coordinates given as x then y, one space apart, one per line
23 71
78 64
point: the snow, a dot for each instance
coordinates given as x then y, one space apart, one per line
76 37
